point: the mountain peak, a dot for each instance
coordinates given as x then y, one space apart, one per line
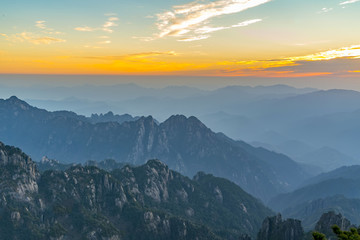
156 163
18 102
327 220
18 173
181 119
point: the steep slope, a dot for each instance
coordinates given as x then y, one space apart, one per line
275 228
185 144
18 190
145 202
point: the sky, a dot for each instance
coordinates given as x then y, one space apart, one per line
225 38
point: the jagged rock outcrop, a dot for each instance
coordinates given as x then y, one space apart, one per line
18 174
111 117
274 228
327 220
133 203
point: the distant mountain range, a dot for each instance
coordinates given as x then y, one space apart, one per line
321 159
349 188
185 144
337 191
309 212
140 203
323 120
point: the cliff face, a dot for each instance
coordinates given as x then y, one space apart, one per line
18 174
327 220
146 202
274 228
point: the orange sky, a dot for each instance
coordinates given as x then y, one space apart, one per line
263 38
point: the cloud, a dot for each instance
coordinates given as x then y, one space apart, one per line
105 42
349 2
40 37
33 38
40 24
113 19
85 29
321 63
135 56
196 38
325 10
206 29
344 52
151 54
106 27
189 18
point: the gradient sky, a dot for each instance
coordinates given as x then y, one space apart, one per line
258 38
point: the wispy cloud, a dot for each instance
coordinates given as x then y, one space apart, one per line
202 32
35 39
344 52
188 20
207 29
151 54
45 36
105 42
349 2
325 10
85 29
135 56
45 29
40 24
106 27
195 38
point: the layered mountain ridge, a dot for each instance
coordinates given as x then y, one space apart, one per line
184 144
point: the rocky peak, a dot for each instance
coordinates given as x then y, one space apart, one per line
158 165
46 160
13 100
13 157
158 176
18 173
327 220
182 121
149 120
275 228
